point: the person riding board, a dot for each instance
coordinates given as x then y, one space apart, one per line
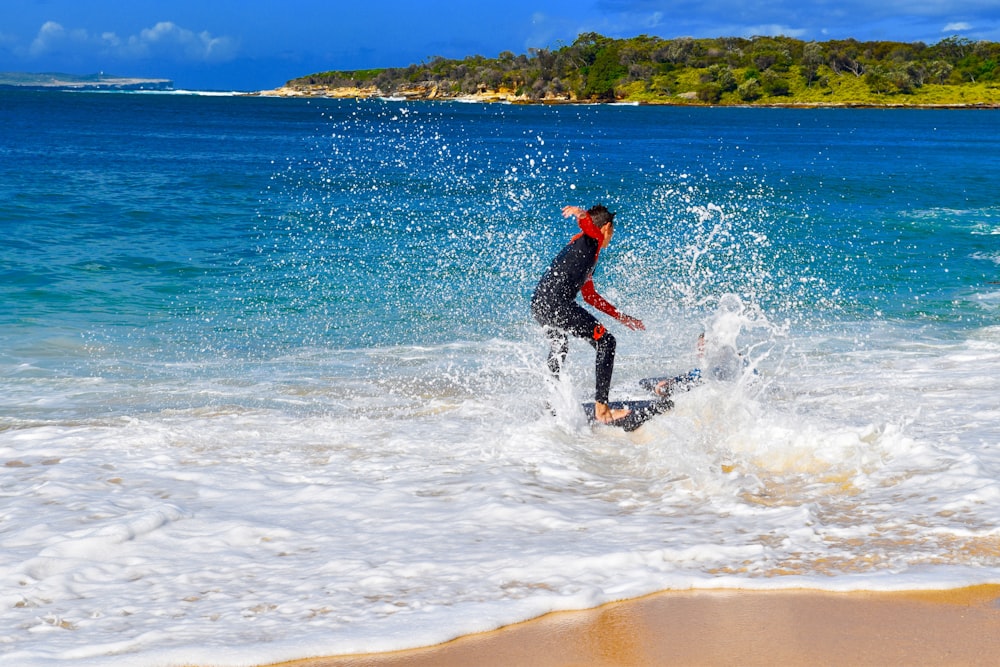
554 305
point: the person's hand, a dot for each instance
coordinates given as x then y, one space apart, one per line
573 211
633 323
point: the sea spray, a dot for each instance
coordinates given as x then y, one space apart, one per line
278 355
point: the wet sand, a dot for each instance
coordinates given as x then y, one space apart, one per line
798 627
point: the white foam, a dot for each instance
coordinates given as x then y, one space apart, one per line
401 504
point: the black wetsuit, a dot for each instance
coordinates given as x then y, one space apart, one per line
554 306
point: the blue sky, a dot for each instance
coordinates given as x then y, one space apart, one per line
257 44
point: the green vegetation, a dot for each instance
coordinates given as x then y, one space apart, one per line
720 71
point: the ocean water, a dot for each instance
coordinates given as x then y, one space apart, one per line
269 386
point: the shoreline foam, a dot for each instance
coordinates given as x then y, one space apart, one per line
717 627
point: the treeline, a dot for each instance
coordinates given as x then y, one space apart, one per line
599 68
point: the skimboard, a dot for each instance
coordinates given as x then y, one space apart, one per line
642 412
671 384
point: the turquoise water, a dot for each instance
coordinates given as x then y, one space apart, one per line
270 363
120 210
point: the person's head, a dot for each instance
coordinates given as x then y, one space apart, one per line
605 221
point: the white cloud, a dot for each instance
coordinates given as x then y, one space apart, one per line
959 26
654 20
165 40
772 29
53 37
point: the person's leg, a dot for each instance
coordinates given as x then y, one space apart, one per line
582 324
604 345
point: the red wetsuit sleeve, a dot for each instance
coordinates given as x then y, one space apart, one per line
591 296
589 228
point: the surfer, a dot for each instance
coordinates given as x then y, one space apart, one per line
554 305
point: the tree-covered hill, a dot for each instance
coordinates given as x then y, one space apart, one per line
729 70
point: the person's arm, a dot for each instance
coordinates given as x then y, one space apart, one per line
590 295
584 220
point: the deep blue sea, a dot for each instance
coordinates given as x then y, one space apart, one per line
270 388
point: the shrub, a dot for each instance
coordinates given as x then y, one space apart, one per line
749 90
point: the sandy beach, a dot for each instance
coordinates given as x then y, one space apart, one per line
795 627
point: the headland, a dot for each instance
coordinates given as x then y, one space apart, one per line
759 71
100 81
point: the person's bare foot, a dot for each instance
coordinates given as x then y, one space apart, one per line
664 388
604 414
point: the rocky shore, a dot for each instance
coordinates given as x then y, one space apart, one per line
415 92
432 92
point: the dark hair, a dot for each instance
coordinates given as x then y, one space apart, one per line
601 215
